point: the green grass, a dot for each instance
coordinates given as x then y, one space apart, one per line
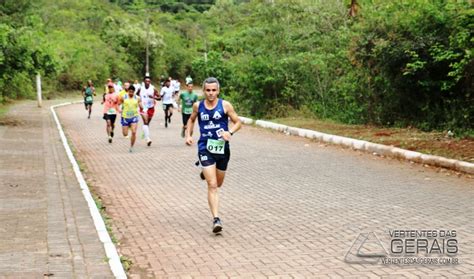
4 108
460 146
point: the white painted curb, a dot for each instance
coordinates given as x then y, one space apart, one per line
363 145
110 250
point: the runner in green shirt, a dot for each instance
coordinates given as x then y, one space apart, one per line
88 92
186 101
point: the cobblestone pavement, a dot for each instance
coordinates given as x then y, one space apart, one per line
291 207
45 226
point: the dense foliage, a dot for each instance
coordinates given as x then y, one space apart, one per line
394 63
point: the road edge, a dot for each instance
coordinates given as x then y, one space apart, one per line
378 149
110 249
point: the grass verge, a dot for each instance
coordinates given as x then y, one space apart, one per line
435 143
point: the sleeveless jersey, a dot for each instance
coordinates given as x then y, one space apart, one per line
88 95
130 107
211 123
147 96
111 103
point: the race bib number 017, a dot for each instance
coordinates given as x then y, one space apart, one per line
215 146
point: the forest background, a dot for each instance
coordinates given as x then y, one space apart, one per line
386 63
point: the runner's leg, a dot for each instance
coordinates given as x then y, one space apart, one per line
125 130
212 191
220 175
133 127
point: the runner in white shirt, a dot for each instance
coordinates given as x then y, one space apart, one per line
148 94
166 94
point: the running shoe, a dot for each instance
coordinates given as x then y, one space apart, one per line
202 176
110 139
112 134
166 124
130 150
217 225
148 142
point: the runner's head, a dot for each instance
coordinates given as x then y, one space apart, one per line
167 83
190 87
211 88
126 85
89 82
131 90
147 81
111 87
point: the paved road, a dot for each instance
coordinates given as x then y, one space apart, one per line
290 206
45 226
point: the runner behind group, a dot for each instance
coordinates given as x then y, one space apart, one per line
166 94
213 145
136 85
88 92
130 103
185 104
123 93
148 94
110 101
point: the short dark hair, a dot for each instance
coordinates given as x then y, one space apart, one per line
211 80
131 87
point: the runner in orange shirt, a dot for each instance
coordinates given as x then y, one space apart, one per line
110 102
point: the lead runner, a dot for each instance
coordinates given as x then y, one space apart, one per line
213 144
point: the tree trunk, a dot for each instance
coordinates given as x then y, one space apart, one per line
353 9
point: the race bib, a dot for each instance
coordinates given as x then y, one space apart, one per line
150 103
112 111
215 146
188 110
89 99
129 114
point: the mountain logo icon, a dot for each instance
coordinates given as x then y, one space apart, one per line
366 249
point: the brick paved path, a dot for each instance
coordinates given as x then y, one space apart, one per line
45 225
290 206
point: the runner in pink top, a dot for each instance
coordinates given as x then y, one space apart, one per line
111 108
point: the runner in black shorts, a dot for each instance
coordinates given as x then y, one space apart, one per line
213 144
185 105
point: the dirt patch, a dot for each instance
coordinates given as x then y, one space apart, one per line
10 121
434 143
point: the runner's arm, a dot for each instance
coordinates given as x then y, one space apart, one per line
156 95
190 124
139 103
229 110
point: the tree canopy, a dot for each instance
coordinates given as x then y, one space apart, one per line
367 61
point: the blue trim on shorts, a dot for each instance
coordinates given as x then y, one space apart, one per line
128 121
221 161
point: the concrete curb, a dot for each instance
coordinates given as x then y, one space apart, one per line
110 250
367 146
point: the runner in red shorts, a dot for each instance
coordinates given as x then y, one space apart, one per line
148 95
